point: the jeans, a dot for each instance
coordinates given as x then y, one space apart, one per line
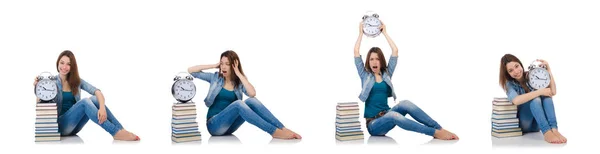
395 117
537 114
72 121
233 116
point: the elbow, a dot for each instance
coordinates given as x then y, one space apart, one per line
252 94
190 70
98 93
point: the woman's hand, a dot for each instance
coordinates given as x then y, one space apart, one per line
235 66
383 28
101 115
546 92
217 65
360 28
544 63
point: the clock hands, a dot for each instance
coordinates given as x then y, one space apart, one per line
185 89
46 89
540 78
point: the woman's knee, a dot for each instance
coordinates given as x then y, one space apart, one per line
405 104
239 104
253 102
87 102
396 116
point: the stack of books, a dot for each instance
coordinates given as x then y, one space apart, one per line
504 118
46 124
347 126
183 124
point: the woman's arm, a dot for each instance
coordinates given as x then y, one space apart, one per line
520 99
199 68
389 40
552 84
357 45
196 71
250 91
102 108
34 83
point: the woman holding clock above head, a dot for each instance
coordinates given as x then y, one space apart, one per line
226 110
74 112
377 87
532 91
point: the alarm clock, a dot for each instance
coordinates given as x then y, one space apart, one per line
371 25
538 76
46 88
183 88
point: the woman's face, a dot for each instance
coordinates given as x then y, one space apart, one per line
375 63
515 70
64 65
225 66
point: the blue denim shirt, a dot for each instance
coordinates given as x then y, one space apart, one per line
368 79
84 85
514 89
216 83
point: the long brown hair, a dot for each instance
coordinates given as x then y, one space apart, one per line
505 77
232 57
379 53
73 75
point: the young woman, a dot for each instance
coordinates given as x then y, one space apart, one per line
377 87
535 108
74 112
226 110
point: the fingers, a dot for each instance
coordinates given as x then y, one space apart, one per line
101 118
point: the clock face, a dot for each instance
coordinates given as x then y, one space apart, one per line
46 90
371 26
539 78
183 90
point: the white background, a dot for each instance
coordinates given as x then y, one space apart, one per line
299 56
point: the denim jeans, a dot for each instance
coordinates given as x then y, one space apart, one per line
72 121
233 116
395 117
537 114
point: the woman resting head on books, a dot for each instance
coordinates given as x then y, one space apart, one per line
377 87
535 108
74 112
226 110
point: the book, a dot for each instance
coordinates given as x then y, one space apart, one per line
507 134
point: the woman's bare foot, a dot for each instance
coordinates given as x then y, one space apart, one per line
296 135
443 135
281 134
551 138
454 136
563 139
125 136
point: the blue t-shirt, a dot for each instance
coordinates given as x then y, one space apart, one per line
223 99
68 101
377 100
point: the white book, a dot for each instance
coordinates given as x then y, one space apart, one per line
195 124
183 121
506 130
45 108
185 112
184 108
504 112
186 139
47 125
503 116
512 120
184 117
46 139
354 124
507 134
45 120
